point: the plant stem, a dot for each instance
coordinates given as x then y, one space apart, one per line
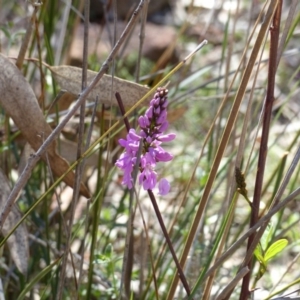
122 109
274 36
165 232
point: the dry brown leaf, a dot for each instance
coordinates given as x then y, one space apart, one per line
61 102
69 79
176 113
68 149
19 101
18 241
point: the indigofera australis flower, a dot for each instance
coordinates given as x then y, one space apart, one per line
153 124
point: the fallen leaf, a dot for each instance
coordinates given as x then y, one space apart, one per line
69 79
19 101
18 241
61 102
68 149
176 113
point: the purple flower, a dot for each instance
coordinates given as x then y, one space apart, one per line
163 186
167 137
162 155
153 123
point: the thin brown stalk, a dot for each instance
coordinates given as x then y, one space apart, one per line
230 183
86 228
168 240
26 40
88 141
40 64
128 252
274 32
115 13
142 38
79 167
208 286
233 283
227 71
226 134
230 45
123 112
286 29
242 141
62 32
71 37
150 253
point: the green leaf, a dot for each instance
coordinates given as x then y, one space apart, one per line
37 279
275 248
5 31
108 250
262 270
267 236
101 259
258 253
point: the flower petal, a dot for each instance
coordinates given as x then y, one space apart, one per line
163 156
143 122
167 137
164 126
163 186
133 136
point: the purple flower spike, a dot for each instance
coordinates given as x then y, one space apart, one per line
153 123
